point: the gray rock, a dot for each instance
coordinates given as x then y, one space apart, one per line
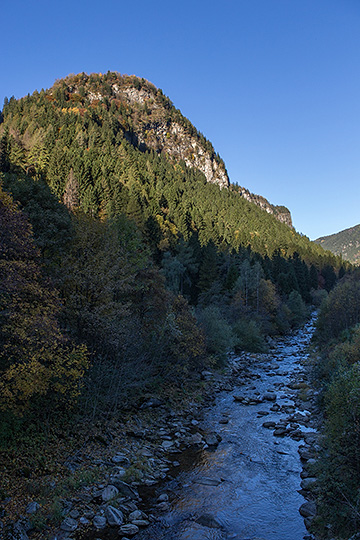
269 425
136 514
114 516
212 439
167 444
152 402
163 506
120 459
141 522
32 507
280 432
110 492
99 521
205 481
208 520
308 482
308 509
69 525
129 529
124 489
269 396
163 497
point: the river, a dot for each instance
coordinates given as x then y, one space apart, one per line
248 486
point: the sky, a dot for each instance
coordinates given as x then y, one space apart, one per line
273 84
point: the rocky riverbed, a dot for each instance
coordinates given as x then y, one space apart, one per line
237 466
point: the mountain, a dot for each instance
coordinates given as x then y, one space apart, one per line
345 243
114 144
140 113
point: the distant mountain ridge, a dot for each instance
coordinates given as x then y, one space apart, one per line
345 243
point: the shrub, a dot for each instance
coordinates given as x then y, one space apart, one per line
248 336
218 332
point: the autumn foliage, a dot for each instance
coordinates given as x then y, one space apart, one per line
35 357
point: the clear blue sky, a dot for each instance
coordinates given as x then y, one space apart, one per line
273 84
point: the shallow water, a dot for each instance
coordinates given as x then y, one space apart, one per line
247 488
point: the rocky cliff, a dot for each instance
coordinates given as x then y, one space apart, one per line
151 122
280 212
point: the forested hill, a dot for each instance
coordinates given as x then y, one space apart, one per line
123 107
345 243
116 216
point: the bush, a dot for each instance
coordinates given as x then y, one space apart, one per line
248 336
218 332
298 311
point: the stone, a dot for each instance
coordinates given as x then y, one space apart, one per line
141 522
128 529
308 482
114 516
269 425
167 444
208 520
69 525
151 403
110 492
136 514
269 396
205 481
280 432
124 489
163 497
120 459
308 509
32 507
212 439
99 521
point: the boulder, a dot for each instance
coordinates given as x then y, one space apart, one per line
108 493
114 516
32 507
69 525
129 529
99 521
308 509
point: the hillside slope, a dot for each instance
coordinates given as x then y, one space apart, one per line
345 243
141 113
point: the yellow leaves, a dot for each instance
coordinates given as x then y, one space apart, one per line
69 110
58 372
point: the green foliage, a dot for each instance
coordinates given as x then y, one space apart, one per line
248 336
340 467
340 311
298 310
338 370
218 332
35 358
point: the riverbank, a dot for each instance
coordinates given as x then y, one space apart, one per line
134 456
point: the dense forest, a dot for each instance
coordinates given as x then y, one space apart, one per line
125 272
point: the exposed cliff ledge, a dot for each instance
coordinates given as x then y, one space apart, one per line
169 136
280 212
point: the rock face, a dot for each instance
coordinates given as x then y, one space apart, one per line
153 123
173 138
280 212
